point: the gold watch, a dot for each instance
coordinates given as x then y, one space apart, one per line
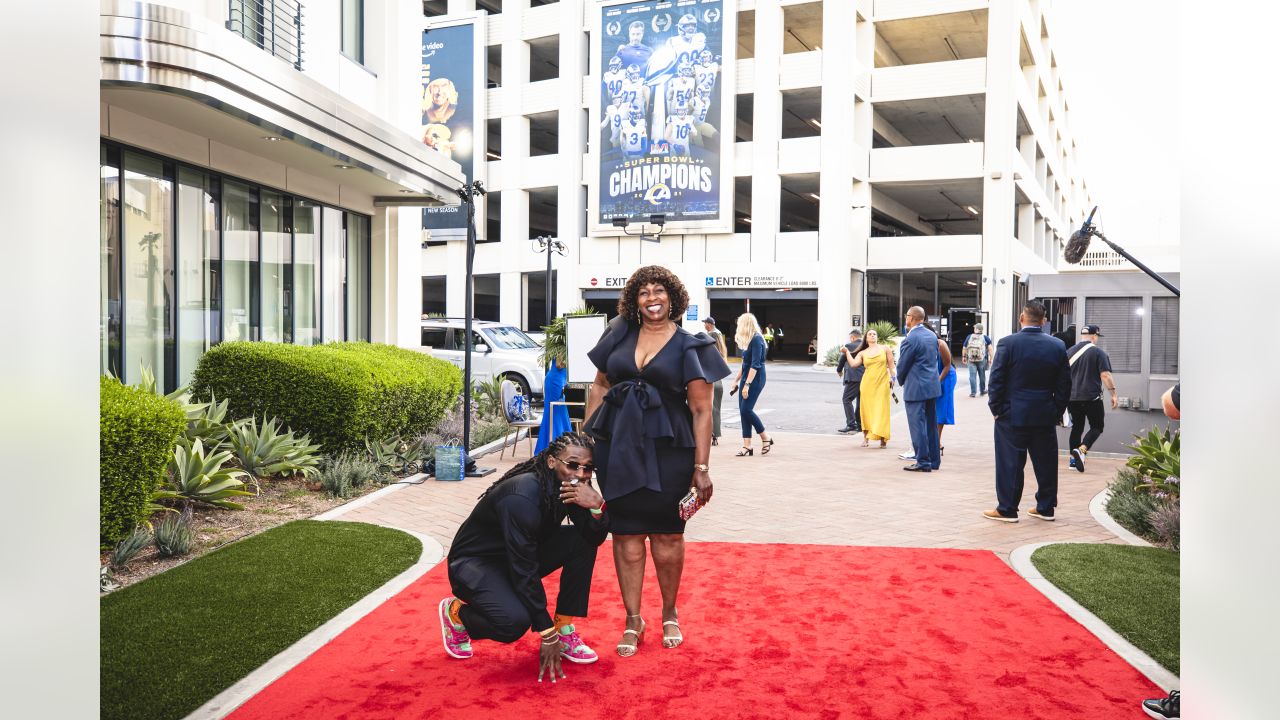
702 466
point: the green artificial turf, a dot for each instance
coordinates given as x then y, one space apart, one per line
1132 589
172 642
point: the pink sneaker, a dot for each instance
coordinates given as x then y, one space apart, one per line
573 649
456 640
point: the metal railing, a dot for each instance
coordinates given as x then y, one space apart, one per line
273 25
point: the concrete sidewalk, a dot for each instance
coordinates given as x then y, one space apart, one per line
825 489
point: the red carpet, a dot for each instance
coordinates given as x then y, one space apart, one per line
882 633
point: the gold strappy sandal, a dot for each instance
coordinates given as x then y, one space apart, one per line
672 642
627 649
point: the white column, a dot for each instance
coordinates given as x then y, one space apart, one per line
766 186
515 145
999 145
381 274
404 228
570 198
842 230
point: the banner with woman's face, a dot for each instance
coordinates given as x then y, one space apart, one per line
450 106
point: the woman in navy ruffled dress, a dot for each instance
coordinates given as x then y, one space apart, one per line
650 413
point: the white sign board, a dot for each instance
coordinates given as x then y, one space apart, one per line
581 333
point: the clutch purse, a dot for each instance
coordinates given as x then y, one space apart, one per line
690 504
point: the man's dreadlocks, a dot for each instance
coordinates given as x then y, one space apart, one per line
538 465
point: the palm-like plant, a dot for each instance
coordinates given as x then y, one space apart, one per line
487 395
265 451
195 477
553 345
886 332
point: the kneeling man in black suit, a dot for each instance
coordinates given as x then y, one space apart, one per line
1029 390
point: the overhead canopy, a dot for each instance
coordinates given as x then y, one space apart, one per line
170 66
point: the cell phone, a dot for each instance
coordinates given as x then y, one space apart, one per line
733 389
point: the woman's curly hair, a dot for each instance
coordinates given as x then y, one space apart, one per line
628 301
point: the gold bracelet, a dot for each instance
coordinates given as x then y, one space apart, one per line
702 466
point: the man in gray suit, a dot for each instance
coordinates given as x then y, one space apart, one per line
852 378
918 375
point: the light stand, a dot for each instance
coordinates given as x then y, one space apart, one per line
659 220
468 194
546 244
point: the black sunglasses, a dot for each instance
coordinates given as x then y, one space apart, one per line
575 466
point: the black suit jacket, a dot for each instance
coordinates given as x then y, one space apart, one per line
1030 379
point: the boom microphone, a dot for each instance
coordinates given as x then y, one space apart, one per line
1078 245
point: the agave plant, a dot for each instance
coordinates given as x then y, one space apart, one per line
182 395
195 477
886 332
265 451
396 454
209 425
1159 460
487 395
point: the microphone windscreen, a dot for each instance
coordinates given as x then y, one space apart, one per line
1076 247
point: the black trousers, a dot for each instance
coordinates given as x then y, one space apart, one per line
1095 413
1013 444
849 401
493 610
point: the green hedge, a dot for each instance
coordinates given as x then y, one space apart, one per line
136 434
339 393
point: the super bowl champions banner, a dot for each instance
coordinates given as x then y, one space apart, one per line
665 97
451 103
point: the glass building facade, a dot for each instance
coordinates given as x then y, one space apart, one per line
190 258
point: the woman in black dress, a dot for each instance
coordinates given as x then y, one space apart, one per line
650 412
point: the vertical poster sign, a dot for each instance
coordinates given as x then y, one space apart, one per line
665 99
450 107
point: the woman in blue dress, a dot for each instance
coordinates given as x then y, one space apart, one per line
650 414
947 401
555 421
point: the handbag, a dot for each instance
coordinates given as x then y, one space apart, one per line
690 504
450 462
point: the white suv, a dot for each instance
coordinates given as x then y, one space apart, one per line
497 349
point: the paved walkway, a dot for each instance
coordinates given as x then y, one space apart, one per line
825 489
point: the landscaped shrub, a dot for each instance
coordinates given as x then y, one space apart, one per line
342 476
137 431
1166 525
339 393
1130 505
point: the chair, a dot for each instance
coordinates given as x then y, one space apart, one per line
509 394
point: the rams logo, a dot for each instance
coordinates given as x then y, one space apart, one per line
658 194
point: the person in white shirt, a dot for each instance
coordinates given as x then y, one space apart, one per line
613 117
680 131
632 136
614 77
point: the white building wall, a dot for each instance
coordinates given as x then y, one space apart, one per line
1025 214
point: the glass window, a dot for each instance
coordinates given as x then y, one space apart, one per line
883 303
277 268
510 338
353 29
487 292
148 268
433 338
306 273
357 291
1164 336
433 295
240 262
198 252
109 284
333 269
1120 320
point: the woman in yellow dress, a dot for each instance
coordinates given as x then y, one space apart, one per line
873 403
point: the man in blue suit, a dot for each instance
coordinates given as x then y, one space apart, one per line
918 375
1029 389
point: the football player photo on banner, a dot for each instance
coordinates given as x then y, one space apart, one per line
450 106
666 94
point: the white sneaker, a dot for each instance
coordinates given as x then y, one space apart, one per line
908 455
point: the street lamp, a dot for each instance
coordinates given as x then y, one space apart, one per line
468 193
546 244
